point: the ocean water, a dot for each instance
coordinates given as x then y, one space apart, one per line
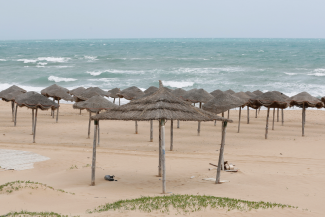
287 65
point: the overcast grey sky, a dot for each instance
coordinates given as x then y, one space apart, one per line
69 19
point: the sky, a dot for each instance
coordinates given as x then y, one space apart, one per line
76 19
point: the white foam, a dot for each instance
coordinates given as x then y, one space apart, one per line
3 60
91 58
58 79
178 84
28 60
317 74
290 73
54 59
19 160
41 63
62 66
95 73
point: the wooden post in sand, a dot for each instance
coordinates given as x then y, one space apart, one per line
89 125
136 127
273 118
151 130
16 115
53 110
171 134
57 112
239 119
215 122
228 113
220 162
177 123
93 164
277 115
282 117
119 101
13 111
35 126
33 119
267 123
247 115
98 131
80 112
223 114
163 156
114 101
303 119
159 165
255 113
199 123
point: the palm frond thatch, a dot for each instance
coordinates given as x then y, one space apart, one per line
197 95
306 100
230 91
269 100
95 104
130 93
159 105
77 91
250 94
10 93
223 102
35 100
90 92
113 92
243 96
257 92
216 92
57 92
179 92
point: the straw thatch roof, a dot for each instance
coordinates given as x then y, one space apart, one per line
257 92
269 100
197 95
168 89
306 99
323 100
243 96
281 94
35 100
216 92
95 104
179 92
130 93
114 92
230 91
90 92
77 91
57 92
10 93
250 94
150 90
159 105
223 102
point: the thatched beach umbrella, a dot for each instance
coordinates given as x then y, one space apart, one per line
180 93
305 100
10 94
198 95
268 100
35 101
131 93
257 92
216 92
94 105
77 91
57 93
230 91
161 106
90 92
285 97
113 94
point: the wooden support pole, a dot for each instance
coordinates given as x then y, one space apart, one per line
16 115
98 132
13 111
57 112
114 101
159 165
282 116
259 109
33 119
89 125
177 123
277 115
303 119
163 156
239 119
199 122
223 114
255 113
80 112
273 118
136 127
267 123
228 113
53 110
247 115
35 125
93 164
171 134
151 130
119 101
215 122
220 162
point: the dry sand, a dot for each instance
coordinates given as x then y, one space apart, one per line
287 168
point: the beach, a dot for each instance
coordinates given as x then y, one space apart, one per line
286 168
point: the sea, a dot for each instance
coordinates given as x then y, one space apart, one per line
286 65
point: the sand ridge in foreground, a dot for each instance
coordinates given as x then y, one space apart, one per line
286 168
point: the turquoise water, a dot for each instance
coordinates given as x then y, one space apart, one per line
286 65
